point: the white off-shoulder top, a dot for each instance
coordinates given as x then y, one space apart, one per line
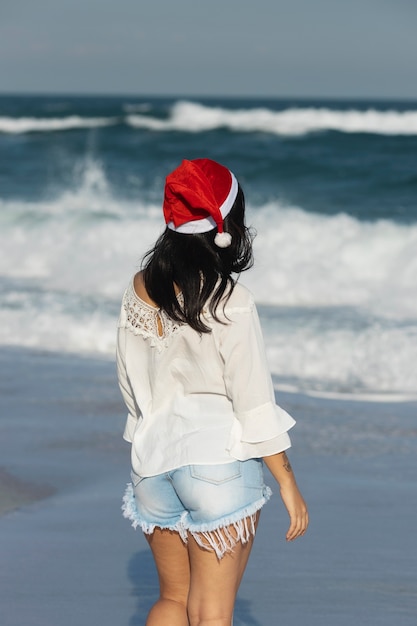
196 398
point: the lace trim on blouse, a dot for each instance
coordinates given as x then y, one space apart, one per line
148 321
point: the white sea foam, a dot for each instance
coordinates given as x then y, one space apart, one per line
337 296
193 117
373 356
310 260
16 125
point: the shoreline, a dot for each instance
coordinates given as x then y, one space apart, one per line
378 397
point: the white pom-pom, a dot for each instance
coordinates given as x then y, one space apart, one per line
223 240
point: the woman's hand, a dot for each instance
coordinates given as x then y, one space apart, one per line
297 510
280 468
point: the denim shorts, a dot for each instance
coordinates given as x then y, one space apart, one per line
216 504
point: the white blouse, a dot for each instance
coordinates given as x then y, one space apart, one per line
196 398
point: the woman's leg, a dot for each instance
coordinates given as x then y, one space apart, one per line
197 587
207 599
215 583
173 566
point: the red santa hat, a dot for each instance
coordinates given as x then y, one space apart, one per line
198 196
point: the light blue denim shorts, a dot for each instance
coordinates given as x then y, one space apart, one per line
216 504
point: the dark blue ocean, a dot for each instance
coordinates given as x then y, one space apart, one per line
331 189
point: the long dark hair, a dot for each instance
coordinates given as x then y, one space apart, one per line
201 270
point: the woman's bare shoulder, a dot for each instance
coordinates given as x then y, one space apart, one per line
138 282
140 289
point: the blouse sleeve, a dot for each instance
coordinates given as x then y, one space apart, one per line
125 388
260 426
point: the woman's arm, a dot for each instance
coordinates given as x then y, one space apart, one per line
281 470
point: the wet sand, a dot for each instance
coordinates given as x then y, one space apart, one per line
15 493
68 557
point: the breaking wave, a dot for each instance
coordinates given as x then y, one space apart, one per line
17 125
336 295
194 117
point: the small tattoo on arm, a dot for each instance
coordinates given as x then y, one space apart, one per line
287 463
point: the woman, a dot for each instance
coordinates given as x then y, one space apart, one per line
202 413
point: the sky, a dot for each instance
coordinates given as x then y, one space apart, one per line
277 48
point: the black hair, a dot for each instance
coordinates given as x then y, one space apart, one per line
199 268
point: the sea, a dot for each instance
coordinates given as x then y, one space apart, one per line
331 190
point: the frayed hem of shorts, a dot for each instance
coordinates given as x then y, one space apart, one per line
130 512
219 536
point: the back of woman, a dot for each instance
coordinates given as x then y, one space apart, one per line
202 418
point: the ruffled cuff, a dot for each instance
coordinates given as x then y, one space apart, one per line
260 432
130 427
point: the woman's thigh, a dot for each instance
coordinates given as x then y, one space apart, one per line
172 562
215 582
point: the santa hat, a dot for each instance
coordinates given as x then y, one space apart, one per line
198 196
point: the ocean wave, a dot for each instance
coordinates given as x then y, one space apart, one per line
194 117
302 258
328 352
337 295
315 260
16 125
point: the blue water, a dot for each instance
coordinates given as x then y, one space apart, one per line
331 188
365 174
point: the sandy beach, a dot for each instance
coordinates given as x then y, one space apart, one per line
69 558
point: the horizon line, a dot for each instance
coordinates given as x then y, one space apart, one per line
169 96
